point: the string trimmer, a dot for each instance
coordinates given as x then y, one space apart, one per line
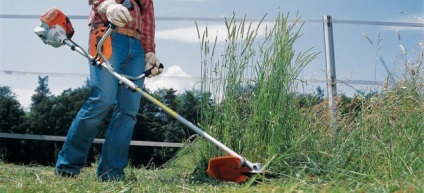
56 30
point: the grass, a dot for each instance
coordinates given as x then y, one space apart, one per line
259 115
379 145
254 81
15 178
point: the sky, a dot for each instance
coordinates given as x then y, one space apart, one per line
178 46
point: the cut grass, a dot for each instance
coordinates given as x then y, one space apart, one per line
15 178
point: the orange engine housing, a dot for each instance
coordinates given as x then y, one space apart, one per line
56 17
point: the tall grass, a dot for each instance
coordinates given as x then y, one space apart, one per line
384 138
258 114
253 80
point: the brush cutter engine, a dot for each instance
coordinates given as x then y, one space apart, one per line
55 27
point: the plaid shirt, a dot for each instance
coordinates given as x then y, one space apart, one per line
143 21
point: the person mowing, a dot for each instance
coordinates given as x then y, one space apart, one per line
132 47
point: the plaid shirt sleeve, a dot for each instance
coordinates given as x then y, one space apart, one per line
148 26
143 21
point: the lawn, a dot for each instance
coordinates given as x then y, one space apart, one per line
15 178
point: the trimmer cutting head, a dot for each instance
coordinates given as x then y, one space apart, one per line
231 168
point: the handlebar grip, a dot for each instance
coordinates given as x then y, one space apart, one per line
149 71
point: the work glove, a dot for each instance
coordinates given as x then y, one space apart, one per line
117 14
153 66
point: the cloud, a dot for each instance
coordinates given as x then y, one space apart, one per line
190 34
190 0
24 95
174 77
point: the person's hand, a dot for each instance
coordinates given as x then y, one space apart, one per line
117 14
153 66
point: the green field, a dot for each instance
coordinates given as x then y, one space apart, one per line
15 178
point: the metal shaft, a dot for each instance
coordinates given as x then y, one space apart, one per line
131 85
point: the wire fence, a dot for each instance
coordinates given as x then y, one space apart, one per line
219 19
328 81
96 140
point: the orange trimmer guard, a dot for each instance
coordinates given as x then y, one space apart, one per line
228 168
95 37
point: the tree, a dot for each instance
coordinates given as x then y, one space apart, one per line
53 115
150 121
39 122
11 121
11 112
153 124
63 111
42 101
320 94
42 92
65 107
